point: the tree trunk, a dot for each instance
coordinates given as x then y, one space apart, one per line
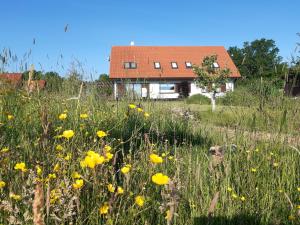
213 101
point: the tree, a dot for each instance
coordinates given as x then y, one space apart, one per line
260 58
103 77
211 76
53 81
37 75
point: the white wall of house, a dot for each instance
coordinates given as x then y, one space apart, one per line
155 91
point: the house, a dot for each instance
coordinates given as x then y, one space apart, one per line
15 80
164 72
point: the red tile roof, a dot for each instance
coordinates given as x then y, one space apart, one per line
145 56
13 78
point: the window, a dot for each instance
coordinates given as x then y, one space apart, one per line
216 65
188 65
130 65
174 65
157 65
167 88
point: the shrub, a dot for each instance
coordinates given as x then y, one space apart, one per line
198 99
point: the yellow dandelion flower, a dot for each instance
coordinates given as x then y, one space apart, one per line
234 196
101 134
111 188
104 208
92 159
21 166
120 190
253 170
139 200
171 157
291 217
160 179
6 149
10 117
51 176
139 109
243 199
275 164
125 169
62 116
108 156
78 184
107 148
56 167
84 116
15 197
146 115
59 147
229 189
38 170
132 106
257 150
75 175
2 184
68 156
68 134
154 158
163 155
168 216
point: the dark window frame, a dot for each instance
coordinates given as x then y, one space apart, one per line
130 65
157 67
174 67
188 67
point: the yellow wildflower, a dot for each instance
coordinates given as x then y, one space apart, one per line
229 189
68 134
234 195
6 149
280 191
62 116
120 190
298 189
146 115
76 175
108 156
38 170
125 169
54 195
275 164
107 148
59 147
2 184
68 156
78 184
92 159
160 179
51 176
132 106
253 170
84 116
291 217
111 188
139 200
15 197
10 117
101 134
155 158
171 157
163 155
56 167
298 206
139 109
243 199
21 166
168 216
257 150
104 208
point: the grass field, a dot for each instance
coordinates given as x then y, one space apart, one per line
94 161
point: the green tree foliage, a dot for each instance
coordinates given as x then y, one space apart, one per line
37 75
210 75
53 81
258 58
103 77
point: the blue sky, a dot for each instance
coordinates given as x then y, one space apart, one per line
95 26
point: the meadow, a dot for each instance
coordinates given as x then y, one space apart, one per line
96 161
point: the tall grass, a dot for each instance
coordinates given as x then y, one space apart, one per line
258 182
